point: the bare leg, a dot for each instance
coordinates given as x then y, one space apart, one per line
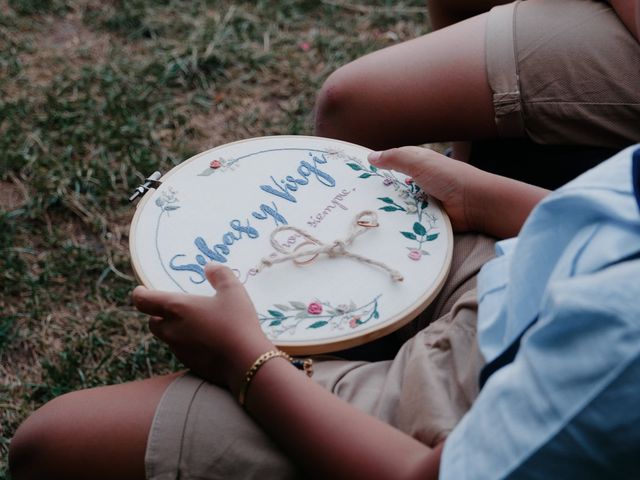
443 13
433 88
100 433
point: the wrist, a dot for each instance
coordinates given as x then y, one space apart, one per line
241 360
271 356
476 197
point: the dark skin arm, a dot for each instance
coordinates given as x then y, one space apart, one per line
219 338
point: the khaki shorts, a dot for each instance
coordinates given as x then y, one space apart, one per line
200 432
564 72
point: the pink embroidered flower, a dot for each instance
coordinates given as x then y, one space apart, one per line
415 254
408 180
387 181
314 308
353 323
215 164
305 47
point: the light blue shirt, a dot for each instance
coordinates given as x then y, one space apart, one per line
568 406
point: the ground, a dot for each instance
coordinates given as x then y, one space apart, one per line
94 96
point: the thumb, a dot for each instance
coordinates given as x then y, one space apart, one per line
220 277
413 161
439 176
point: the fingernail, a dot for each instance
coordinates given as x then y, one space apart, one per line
374 157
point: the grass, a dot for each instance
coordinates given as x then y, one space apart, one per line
94 97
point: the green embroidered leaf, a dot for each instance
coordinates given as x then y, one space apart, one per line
354 166
425 204
419 229
207 172
365 175
386 199
376 314
298 305
373 169
171 207
275 313
275 323
284 308
389 208
430 238
409 235
318 324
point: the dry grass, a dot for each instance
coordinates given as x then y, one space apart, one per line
95 95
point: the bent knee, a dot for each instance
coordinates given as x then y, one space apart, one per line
333 103
30 443
40 440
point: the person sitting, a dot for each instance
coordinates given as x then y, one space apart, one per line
544 89
547 387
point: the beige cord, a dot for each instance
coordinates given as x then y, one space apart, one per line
362 222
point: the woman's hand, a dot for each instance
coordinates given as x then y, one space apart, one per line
217 337
475 200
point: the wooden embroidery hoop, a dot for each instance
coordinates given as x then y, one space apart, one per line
347 165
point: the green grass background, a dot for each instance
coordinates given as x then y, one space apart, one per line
94 96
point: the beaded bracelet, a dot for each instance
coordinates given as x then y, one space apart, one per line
305 365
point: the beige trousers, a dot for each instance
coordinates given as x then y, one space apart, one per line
564 72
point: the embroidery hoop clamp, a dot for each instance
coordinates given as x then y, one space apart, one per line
152 181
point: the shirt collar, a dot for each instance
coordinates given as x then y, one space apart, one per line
635 172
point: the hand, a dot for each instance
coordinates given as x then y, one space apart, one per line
450 181
474 200
217 337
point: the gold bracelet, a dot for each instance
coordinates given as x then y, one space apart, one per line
305 365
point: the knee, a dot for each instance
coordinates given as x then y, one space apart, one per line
333 103
32 451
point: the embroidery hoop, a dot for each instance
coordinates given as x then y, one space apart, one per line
305 307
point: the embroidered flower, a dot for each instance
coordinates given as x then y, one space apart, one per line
415 254
166 198
408 180
353 323
342 308
314 308
215 164
387 181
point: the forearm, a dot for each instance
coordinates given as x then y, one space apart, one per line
329 438
498 206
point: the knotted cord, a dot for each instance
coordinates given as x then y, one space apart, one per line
362 222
